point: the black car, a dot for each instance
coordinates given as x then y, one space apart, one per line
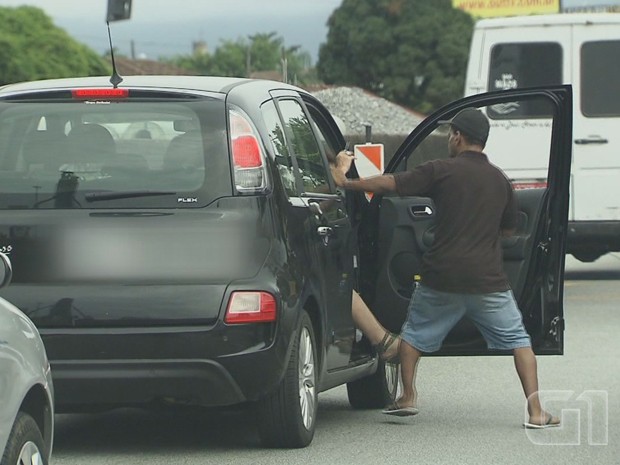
180 240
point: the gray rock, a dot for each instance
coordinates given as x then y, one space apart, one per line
355 108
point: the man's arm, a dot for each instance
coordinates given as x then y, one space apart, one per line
510 218
377 184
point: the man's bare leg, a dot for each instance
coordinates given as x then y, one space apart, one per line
525 363
409 358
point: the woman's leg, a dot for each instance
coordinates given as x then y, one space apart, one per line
370 326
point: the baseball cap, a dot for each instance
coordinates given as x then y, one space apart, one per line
472 122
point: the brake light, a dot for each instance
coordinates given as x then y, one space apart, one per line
529 184
246 152
99 93
250 307
247 155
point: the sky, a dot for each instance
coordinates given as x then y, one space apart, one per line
168 27
164 28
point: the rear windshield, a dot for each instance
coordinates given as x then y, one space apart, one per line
59 153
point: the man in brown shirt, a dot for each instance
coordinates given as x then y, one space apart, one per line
462 273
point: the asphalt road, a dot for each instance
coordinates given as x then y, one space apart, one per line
471 409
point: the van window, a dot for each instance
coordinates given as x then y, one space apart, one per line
519 65
600 70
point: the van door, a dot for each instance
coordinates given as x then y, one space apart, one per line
596 150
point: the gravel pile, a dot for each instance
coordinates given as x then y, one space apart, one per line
356 108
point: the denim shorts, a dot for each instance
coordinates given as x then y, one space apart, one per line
432 314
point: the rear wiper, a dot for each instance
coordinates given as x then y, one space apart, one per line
97 196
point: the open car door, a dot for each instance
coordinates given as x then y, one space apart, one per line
398 230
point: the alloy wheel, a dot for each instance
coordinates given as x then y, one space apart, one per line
307 381
392 379
29 455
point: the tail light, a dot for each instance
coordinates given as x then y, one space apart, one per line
250 307
520 184
247 154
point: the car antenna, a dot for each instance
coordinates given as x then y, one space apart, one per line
115 79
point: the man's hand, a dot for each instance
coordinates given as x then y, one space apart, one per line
344 159
377 184
338 175
341 167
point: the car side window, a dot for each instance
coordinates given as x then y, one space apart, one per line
305 147
324 134
280 147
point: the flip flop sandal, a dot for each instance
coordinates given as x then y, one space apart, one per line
398 411
547 424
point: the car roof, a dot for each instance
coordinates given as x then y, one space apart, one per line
189 83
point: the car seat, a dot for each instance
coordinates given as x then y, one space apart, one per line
40 151
89 143
185 151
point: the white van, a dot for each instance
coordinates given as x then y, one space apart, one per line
578 49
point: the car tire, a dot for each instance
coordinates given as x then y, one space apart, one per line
377 390
287 417
25 445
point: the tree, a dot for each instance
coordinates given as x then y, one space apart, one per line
258 52
31 48
413 52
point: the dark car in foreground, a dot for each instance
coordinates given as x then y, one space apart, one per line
26 389
180 240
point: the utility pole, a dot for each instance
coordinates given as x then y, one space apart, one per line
284 62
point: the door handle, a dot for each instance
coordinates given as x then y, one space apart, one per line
316 209
421 211
592 140
324 233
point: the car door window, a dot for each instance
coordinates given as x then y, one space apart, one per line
519 147
280 147
325 135
305 147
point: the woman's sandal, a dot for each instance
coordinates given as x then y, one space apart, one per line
385 344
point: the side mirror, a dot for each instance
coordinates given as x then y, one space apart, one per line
118 10
6 270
